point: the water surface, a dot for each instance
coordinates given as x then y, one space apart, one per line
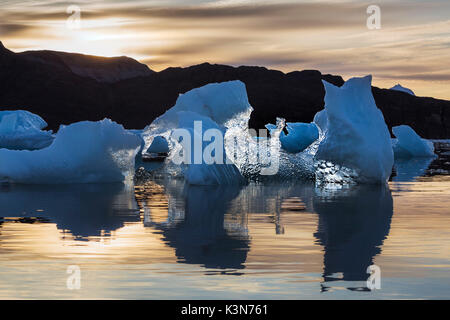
288 240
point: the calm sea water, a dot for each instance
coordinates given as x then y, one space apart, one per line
262 241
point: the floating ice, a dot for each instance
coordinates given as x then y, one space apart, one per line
357 145
409 144
218 106
20 120
398 87
21 130
82 152
348 141
225 107
207 161
225 103
321 121
300 136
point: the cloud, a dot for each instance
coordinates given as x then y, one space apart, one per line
419 76
319 14
331 36
10 29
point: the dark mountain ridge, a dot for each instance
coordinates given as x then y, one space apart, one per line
64 88
99 68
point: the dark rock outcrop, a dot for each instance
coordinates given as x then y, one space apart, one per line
51 84
98 68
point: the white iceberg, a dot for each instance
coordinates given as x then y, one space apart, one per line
409 144
357 145
83 152
225 103
348 141
300 136
22 130
248 154
399 87
207 162
321 121
218 106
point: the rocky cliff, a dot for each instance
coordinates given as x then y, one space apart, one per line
64 88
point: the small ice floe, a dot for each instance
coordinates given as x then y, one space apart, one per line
22 130
300 136
83 152
409 144
399 87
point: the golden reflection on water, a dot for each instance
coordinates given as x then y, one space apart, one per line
132 243
420 208
418 245
258 231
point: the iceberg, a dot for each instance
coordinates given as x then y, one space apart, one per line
83 152
207 163
347 142
225 103
216 106
321 121
22 130
300 136
247 155
20 120
356 146
399 87
409 144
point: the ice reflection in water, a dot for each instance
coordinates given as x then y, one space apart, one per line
84 210
410 169
197 227
208 226
353 224
261 240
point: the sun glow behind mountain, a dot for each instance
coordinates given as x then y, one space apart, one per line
411 47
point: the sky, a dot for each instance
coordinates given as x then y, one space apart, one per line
412 46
